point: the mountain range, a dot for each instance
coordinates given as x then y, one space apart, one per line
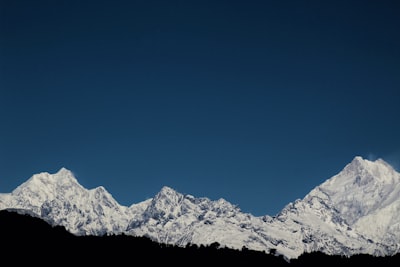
357 211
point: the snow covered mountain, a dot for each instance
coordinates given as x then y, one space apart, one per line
366 196
355 211
60 200
352 212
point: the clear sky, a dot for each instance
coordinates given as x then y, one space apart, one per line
256 102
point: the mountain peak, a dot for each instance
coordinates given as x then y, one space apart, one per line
164 202
167 192
167 189
358 159
361 172
379 169
360 188
358 162
44 179
64 176
64 171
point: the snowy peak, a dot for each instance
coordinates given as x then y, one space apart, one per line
362 187
102 196
351 212
45 187
165 202
378 169
169 195
361 173
167 199
59 199
358 166
43 181
64 172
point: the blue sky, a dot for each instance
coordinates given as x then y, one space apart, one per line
256 102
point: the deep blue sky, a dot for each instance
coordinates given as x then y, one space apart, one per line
256 102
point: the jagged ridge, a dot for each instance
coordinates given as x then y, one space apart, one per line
355 211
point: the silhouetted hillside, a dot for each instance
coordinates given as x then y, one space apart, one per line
30 240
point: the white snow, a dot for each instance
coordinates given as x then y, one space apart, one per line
355 211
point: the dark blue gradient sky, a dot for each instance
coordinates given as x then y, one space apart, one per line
256 102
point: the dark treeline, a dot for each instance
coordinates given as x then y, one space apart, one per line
30 240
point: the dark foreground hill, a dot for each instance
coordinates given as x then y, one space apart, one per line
30 240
